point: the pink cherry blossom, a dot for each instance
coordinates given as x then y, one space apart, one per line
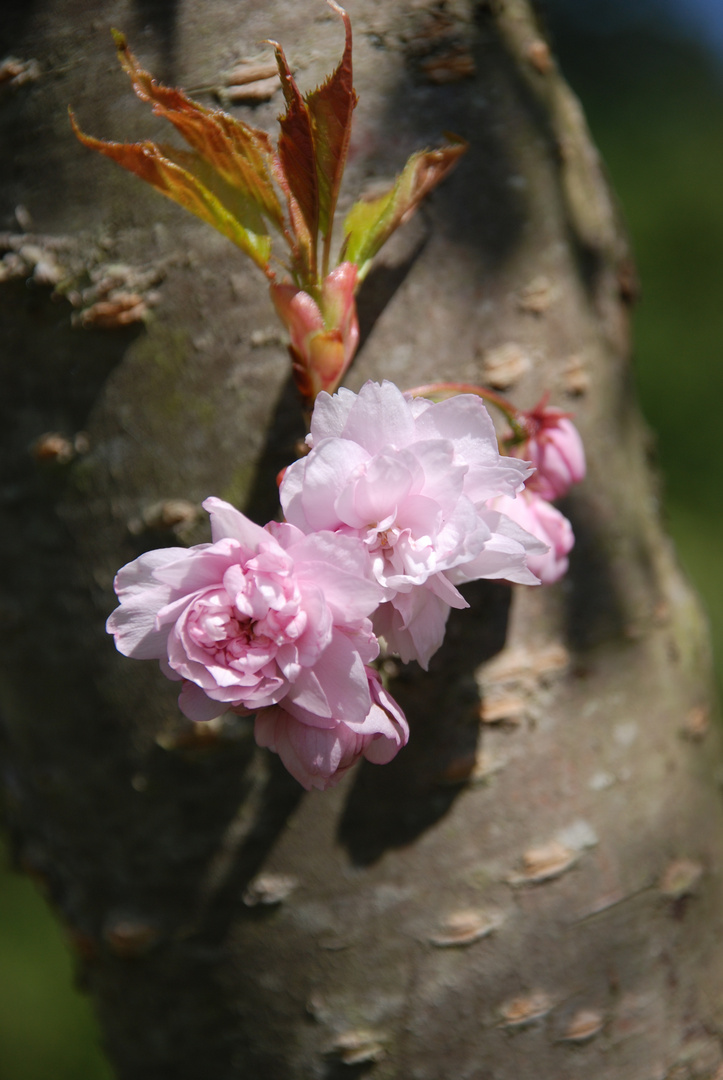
320 757
537 516
257 617
412 480
555 448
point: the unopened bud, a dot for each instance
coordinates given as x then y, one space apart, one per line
555 448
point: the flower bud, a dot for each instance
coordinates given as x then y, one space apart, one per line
324 336
555 448
558 455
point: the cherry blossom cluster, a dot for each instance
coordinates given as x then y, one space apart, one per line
398 502
400 499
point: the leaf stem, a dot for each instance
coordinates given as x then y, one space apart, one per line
326 251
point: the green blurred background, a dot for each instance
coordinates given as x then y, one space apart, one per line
650 76
651 81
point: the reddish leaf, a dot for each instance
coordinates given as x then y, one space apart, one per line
370 224
331 106
242 155
297 159
298 237
156 166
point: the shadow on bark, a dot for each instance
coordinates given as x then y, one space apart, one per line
594 609
279 798
13 22
285 432
383 281
52 375
52 372
389 807
342 1070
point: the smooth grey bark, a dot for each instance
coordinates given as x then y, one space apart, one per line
226 923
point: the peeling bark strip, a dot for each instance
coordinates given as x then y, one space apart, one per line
226 924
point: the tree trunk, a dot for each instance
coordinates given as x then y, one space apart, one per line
536 893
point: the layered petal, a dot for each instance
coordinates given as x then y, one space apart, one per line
391 730
551 528
227 521
413 625
379 417
318 757
311 486
465 421
259 618
411 479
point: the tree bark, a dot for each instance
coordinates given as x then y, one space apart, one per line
539 890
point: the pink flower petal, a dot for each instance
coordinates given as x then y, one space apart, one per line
411 480
443 479
133 624
227 521
464 420
313 756
377 491
336 686
340 567
555 448
379 417
413 624
319 757
201 566
194 704
139 575
141 595
309 489
552 530
330 415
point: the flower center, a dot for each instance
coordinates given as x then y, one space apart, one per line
382 536
226 633
243 628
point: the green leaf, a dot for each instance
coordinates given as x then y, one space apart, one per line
163 168
369 224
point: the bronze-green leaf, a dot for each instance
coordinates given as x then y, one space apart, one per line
156 165
370 224
241 154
